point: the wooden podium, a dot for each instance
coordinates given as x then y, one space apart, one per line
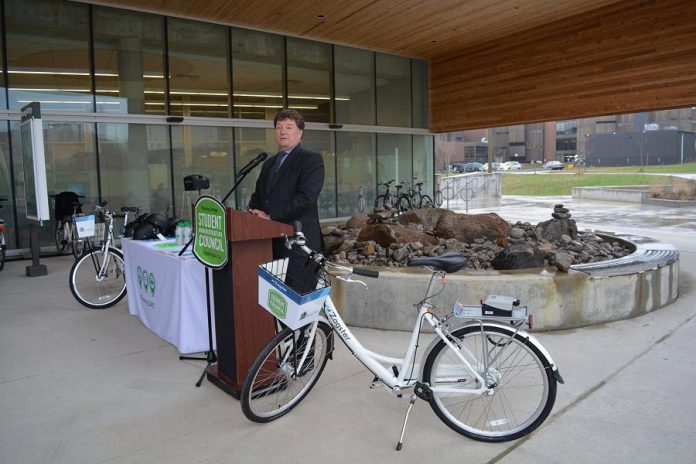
242 327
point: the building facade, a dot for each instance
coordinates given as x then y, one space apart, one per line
132 102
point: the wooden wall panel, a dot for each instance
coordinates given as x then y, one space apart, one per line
626 57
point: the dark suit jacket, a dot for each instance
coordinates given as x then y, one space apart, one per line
294 194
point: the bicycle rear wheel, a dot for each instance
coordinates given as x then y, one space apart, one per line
524 388
97 291
425 202
59 236
273 385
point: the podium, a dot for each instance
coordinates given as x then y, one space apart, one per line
242 327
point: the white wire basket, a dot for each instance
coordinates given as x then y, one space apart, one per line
294 309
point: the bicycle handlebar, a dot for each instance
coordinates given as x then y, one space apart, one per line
298 240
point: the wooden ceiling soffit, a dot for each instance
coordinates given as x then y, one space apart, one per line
627 57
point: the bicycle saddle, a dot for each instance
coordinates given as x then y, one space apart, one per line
449 261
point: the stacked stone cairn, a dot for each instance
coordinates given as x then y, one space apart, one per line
385 238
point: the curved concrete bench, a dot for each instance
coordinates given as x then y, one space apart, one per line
588 294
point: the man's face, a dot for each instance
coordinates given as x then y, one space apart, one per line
287 133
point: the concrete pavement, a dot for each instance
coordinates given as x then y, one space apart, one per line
84 386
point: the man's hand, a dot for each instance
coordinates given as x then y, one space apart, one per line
259 213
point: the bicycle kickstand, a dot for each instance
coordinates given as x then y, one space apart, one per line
403 429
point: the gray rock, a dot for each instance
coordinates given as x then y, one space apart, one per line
563 261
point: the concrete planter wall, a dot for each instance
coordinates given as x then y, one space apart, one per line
556 300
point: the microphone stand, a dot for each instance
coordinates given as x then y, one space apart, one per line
210 356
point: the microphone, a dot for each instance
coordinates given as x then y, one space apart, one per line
252 164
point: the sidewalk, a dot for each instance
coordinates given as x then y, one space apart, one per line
85 386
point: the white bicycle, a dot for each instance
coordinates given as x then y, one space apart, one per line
97 279
482 375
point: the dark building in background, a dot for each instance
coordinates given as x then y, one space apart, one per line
640 148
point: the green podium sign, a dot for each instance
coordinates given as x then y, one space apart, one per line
210 229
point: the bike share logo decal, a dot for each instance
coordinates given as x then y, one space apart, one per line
277 304
147 286
334 322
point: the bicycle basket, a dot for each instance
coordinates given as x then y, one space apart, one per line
278 294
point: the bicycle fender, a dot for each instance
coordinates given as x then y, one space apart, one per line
531 339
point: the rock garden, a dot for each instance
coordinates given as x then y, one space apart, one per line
385 238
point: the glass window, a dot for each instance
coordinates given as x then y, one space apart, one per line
423 162
393 91
309 79
394 160
6 212
323 142
355 85
207 151
249 143
134 163
3 97
198 68
128 61
48 54
257 74
355 169
71 164
420 93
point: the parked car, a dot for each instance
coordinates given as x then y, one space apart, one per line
465 167
496 167
554 165
472 167
510 166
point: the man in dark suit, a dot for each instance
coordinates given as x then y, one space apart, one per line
290 182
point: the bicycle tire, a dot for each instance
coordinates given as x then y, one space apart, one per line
361 204
380 201
438 198
59 236
2 257
90 292
448 193
425 202
77 244
525 389
272 389
404 203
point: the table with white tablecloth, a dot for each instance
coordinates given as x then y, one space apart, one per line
167 293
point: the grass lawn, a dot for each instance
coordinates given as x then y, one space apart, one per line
561 182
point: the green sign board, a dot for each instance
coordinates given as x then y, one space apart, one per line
210 228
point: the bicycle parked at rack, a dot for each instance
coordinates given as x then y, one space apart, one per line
417 198
483 376
97 279
399 201
67 208
3 243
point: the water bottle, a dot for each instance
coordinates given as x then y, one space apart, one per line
179 233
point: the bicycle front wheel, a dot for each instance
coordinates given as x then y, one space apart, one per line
77 244
404 203
98 288
524 388
274 384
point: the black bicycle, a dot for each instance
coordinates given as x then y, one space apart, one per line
417 196
399 201
67 208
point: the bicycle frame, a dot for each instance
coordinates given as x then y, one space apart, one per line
107 243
